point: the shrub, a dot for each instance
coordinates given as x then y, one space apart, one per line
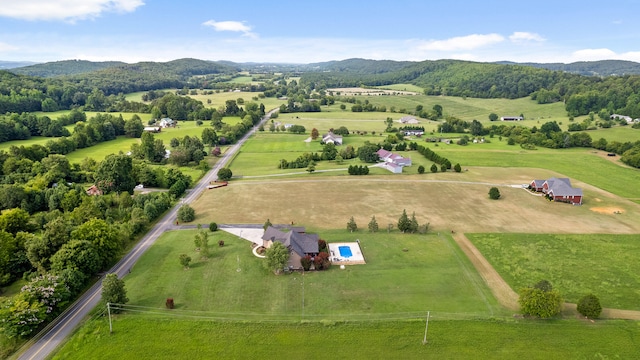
221 243
322 245
213 226
225 174
169 303
494 193
457 168
306 262
589 306
420 169
186 213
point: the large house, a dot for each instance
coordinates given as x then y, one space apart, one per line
393 162
331 138
167 122
296 240
558 189
628 119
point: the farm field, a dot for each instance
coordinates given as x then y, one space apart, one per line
445 200
156 336
576 264
219 99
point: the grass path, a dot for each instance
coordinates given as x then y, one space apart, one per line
509 298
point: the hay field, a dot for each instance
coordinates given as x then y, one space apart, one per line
448 202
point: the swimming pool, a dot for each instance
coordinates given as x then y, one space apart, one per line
345 251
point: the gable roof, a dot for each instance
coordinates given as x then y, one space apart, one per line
332 138
300 243
562 187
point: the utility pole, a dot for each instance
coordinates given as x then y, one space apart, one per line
109 312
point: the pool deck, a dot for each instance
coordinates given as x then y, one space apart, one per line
357 257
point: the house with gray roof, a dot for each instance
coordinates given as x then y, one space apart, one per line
558 189
296 240
331 138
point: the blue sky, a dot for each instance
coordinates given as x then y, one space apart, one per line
304 32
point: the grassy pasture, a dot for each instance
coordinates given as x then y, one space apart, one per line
577 163
402 87
434 276
605 265
101 150
219 99
34 140
155 337
474 108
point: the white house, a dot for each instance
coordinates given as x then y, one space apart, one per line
511 118
628 119
331 138
393 162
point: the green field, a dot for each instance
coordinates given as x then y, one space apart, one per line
577 163
152 337
219 99
605 265
434 275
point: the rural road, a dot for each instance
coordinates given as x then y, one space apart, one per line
55 333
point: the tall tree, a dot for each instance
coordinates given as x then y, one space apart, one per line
103 236
115 173
113 290
277 257
404 224
133 127
314 133
351 225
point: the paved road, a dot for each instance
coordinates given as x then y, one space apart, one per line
62 326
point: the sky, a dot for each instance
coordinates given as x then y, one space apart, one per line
301 31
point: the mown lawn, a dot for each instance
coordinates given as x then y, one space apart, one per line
431 275
139 336
602 264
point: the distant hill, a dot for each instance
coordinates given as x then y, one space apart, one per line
175 68
360 66
588 68
65 67
14 64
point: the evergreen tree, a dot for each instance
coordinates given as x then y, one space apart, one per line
404 224
351 225
373 224
413 223
267 224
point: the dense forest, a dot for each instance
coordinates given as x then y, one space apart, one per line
581 94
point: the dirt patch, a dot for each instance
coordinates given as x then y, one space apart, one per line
607 210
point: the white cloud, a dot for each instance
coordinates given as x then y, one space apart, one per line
593 54
468 42
234 26
604 54
4 47
520 36
65 10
